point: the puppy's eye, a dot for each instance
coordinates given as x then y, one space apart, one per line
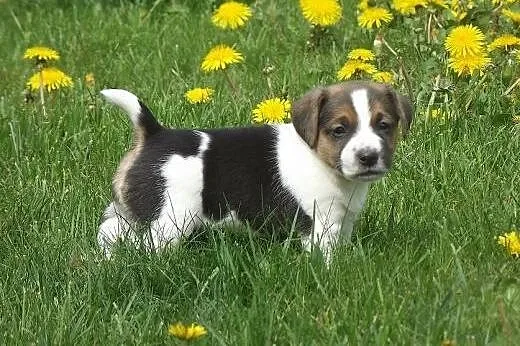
383 125
339 131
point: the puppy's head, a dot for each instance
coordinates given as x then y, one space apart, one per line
353 126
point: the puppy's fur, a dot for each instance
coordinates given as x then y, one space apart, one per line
319 167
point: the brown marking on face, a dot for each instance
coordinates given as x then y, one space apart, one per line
394 104
334 116
383 114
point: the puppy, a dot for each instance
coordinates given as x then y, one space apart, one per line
316 170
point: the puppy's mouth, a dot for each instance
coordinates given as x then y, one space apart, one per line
369 175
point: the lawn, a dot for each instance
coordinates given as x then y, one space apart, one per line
424 267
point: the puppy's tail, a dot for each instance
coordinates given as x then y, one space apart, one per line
142 118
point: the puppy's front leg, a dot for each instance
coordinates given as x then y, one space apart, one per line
324 236
348 225
327 233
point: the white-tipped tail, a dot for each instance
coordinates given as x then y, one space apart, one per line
126 100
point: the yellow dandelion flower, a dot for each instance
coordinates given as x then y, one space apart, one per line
374 16
448 342
231 15
41 54
51 78
90 81
407 7
436 114
468 64
272 111
459 9
511 241
383 77
363 5
353 67
321 12
504 41
361 54
439 3
512 15
219 57
199 95
464 40
186 332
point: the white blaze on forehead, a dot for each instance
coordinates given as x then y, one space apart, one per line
364 138
362 107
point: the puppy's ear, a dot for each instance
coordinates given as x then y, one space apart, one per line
404 109
305 113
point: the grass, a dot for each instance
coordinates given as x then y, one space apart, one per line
424 266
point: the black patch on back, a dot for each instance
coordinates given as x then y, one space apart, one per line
241 174
146 185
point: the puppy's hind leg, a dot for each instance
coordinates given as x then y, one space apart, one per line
114 227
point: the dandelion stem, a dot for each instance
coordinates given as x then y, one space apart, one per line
389 47
42 98
429 29
433 96
155 4
477 87
230 82
401 67
511 87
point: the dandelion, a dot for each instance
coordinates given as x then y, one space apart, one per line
271 111
353 67
363 5
504 41
516 119
439 3
90 81
199 95
185 332
321 12
511 241
459 9
436 114
374 16
41 54
448 342
383 77
464 40
378 44
219 57
407 7
50 78
231 15
468 64
513 16
361 54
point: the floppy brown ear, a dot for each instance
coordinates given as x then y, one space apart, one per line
405 111
305 113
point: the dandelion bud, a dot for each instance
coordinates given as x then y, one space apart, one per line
378 45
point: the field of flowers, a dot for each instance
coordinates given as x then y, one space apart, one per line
435 256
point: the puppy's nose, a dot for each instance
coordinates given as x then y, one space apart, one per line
367 158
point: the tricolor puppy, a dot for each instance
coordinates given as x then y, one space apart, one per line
316 170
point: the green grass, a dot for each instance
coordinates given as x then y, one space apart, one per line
424 265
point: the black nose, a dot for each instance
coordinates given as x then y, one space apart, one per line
367 158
